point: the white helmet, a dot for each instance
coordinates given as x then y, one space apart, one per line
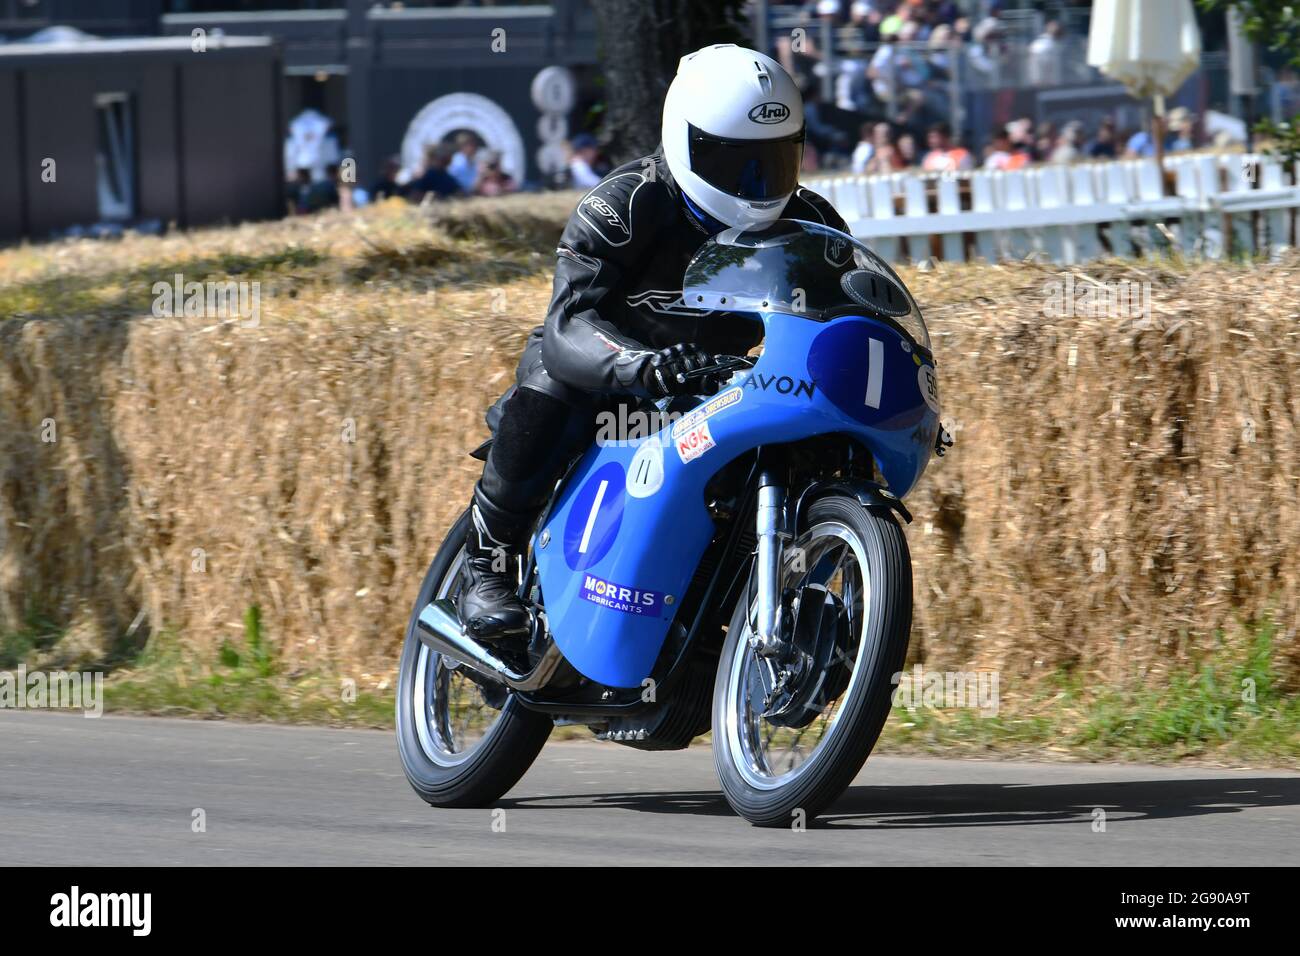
733 133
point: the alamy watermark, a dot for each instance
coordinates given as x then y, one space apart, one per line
934 690
1071 298
209 300
75 908
54 690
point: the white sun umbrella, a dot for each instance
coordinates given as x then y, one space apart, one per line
1150 46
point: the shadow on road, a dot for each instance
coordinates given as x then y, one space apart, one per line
705 803
993 805
979 804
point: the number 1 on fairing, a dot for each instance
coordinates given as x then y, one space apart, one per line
875 371
591 518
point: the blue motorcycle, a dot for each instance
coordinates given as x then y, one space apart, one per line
731 562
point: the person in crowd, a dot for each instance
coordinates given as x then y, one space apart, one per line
1020 142
464 161
999 152
1182 124
436 180
827 139
492 179
943 155
852 87
907 150
1069 144
387 185
1178 136
987 54
892 25
864 19
1284 95
883 69
913 111
583 161
1046 60
312 143
1044 141
831 10
320 194
941 53
885 158
350 195
299 187
873 137
893 69
1103 145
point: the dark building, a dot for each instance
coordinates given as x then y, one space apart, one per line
379 70
127 130
390 77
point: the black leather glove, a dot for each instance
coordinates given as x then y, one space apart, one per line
660 371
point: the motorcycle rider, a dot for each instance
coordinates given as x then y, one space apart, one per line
731 150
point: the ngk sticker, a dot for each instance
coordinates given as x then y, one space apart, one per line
694 442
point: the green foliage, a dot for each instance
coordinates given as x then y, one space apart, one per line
1285 137
1229 704
1274 24
169 678
259 655
37 633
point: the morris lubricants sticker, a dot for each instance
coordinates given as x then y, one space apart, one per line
616 597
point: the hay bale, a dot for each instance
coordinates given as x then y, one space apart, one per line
1122 496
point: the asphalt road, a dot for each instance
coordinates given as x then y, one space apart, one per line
121 790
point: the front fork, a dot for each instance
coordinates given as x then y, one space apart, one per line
766 638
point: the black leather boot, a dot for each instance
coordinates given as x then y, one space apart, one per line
488 603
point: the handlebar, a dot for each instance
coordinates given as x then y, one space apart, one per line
722 363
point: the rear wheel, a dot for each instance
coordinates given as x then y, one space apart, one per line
464 740
790 735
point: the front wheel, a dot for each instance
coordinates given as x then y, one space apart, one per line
790 735
464 740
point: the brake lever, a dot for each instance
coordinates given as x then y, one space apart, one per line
730 365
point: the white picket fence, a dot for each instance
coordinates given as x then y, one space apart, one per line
1071 213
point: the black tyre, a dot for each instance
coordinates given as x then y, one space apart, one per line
464 741
789 767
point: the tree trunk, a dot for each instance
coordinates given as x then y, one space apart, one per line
640 44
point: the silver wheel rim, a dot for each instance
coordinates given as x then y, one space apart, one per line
768 757
452 718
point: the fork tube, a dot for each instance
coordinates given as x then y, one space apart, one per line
771 508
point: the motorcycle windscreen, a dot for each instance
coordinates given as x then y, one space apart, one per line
801 268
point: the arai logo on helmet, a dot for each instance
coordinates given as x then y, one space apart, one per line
769 113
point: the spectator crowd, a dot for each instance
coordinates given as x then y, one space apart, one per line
894 67
460 168
882 83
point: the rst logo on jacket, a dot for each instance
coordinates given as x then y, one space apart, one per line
607 213
769 113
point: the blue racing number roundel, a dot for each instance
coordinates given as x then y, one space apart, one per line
856 366
594 517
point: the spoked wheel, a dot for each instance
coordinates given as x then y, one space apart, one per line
464 740
790 734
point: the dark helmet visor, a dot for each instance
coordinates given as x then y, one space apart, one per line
747 168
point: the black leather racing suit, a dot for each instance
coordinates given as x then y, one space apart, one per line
617 296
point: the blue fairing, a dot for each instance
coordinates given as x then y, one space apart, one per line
630 526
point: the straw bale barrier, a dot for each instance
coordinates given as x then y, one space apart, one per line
1122 495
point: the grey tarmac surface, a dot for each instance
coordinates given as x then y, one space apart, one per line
122 791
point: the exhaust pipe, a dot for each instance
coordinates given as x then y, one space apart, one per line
438 628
